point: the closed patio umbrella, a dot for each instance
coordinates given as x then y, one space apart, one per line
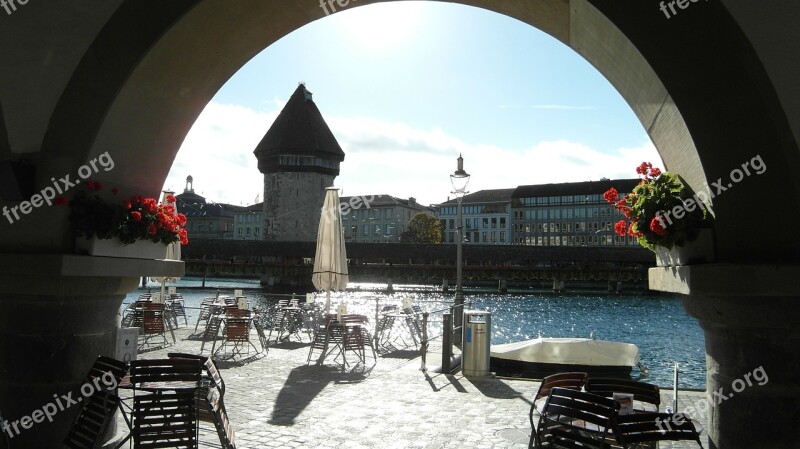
330 261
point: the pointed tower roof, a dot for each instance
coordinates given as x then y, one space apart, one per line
299 130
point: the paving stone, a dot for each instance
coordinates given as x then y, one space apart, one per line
277 400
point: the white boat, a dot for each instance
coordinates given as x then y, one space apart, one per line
541 356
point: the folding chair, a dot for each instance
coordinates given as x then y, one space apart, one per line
575 419
205 312
631 431
211 332
641 391
154 323
211 394
571 380
97 410
165 406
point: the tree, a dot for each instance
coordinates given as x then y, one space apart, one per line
423 228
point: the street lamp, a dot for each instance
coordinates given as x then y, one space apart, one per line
459 179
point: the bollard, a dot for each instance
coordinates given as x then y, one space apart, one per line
447 341
424 344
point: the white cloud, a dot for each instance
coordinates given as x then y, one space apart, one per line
218 154
387 158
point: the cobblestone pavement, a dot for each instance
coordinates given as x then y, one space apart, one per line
278 400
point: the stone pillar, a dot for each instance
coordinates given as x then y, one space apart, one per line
751 319
57 314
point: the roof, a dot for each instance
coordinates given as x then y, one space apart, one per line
384 201
300 130
575 188
484 196
207 210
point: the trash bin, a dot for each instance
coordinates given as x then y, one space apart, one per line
476 344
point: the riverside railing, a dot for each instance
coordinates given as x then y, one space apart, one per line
450 335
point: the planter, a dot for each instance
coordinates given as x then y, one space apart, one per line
141 249
699 250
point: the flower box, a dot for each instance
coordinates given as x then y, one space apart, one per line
700 250
141 249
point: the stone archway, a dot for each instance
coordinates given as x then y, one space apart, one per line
711 85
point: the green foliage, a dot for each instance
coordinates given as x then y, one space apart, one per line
661 211
423 228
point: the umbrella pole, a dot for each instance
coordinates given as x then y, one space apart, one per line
328 301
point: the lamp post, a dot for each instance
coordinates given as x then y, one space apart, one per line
459 179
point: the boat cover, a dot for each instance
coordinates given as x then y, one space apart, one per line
569 351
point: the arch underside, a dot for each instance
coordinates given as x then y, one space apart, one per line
700 92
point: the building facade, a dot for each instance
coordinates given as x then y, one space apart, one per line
486 215
568 214
299 157
205 220
378 218
247 223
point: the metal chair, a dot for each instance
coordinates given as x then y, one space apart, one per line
97 410
211 394
154 323
178 308
165 408
631 431
237 333
205 311
571 380
575 419
211 332
641 391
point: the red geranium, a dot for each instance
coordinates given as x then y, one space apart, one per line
170 198
657 226
621 228
136 216
611 195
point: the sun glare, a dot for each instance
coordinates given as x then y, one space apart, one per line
381 25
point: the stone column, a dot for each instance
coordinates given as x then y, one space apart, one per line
751 319
57 314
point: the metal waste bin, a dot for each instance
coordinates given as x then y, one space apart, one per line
476 344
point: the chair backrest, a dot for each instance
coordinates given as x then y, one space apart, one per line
168 419
212 372
571 380
165 370
104 365
237 312
573 419
642 427
153 318
237 329
641 391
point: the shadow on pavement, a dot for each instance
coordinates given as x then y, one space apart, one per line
494 388
303 385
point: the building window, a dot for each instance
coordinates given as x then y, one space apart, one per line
256 231
239 232
503 236
494 223
485 225
247 232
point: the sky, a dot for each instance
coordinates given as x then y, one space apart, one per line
408 86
